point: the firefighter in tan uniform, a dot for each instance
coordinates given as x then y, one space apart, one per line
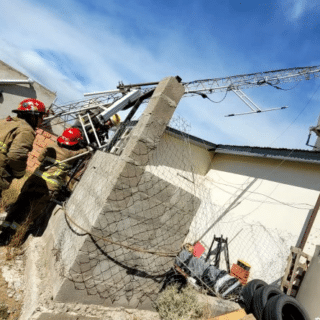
47 179
101 129
16 139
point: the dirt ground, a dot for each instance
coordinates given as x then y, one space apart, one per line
10 297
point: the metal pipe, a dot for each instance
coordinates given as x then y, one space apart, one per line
120 86
9 81
101 92
71 158
258 111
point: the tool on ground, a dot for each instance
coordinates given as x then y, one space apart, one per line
222 246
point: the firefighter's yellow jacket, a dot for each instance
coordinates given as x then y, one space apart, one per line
55 176
16 140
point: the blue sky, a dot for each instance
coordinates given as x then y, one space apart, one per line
76 46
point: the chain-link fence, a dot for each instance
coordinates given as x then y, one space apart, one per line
162 198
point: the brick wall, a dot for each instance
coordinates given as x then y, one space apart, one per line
43 138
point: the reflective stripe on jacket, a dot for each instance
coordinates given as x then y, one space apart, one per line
3 148
55 176
48 178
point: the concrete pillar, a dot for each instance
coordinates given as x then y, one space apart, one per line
118 200
309 292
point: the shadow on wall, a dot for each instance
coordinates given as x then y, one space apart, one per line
18 90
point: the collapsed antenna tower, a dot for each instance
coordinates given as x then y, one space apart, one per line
107 103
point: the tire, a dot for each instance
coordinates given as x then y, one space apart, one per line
248 291
284 308
260 299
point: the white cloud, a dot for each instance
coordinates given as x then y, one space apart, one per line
72 51
88 42
296 9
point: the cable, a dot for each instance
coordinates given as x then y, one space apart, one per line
159 253
204 96
275 201
261 82
295 119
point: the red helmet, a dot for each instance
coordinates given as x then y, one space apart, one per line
70 137
31 105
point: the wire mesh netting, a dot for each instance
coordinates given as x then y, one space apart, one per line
141 224
161 198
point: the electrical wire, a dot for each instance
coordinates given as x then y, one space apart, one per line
274 169
204 96
261 82
275 201
296 118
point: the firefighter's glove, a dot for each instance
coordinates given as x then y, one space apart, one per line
63 194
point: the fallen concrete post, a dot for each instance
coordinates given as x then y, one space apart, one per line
121 228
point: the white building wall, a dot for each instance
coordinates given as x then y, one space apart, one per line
13 94
262 223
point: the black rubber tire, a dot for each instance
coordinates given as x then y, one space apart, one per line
260 299
284 308
248 292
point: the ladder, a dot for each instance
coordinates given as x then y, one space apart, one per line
86 121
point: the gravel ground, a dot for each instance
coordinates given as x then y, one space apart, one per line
11 285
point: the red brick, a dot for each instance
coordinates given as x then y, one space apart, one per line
47 134
41 144
39 138
47 141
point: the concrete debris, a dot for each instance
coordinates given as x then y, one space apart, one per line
13 273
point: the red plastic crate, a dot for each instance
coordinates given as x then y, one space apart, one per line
239 273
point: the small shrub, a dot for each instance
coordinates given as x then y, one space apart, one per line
3 312
174 305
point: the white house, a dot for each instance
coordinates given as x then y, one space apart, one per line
259 198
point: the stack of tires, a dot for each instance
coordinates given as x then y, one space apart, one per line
267 302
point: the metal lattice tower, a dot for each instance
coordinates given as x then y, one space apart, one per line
105 101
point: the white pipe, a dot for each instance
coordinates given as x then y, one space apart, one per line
7 81
101 92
